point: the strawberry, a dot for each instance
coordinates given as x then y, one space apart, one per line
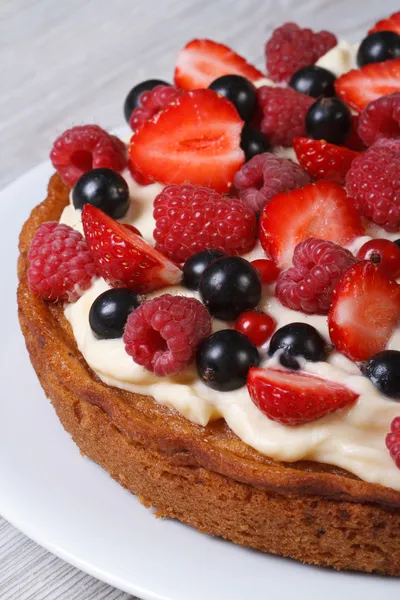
365 310
200 62
392 23
322 160
123 258
360 86
322 210
194 140
293 398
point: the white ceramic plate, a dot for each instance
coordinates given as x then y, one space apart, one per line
73 508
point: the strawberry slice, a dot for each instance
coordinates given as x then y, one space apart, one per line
123 258
294 398
196 140
322 160
360 86
365 310
392 23
322 210
200 62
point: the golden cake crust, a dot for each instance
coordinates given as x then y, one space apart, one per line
204 476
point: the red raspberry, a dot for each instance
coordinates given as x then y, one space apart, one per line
380 119
163 333
61 266
284 112
308 285
391 143
290 48
190 218
373 182
152 101
266 175
86 147
393 441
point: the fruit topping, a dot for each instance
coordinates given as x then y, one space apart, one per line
200 62
229 286
360 86
253 142
266 175
163 334
322 160
292 398
383 370
384 254
195 266
123 258
365 310
317 266
110 311
240 91
392 23
329 119
283 114
196 139
393 441
86 147
224 359
321 209
297 340
191 218
313 81
291 48
256 325
133 99
390 143
60 264
105 189
373 183
378 47
353 141
380 119
267 270
151 103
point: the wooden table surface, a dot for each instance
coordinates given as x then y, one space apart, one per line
73 62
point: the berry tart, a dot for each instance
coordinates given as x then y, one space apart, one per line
213 308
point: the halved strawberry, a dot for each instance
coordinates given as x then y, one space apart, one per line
392 23
365 310
123 258
323 160
320 209
202 61
360 86
196 140
294 398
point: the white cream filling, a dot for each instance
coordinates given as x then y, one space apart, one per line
353 438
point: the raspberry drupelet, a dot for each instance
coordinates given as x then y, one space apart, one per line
163 333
